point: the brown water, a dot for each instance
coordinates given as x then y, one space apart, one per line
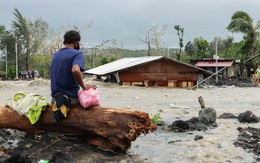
162 145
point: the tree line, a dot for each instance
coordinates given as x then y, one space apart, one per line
31 44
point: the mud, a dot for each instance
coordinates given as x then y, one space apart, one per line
214 144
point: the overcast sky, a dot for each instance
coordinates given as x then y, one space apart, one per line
126 20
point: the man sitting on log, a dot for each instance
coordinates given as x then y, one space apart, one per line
66 77
104 127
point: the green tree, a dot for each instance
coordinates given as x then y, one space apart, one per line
42 64
189 48
11 72
30 35
233 52
104 60
201 48
22 34
180 32
3 48
242 22
223 45
7 39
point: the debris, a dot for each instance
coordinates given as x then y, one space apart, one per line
249 138
248 116
198 137
173 106
227 116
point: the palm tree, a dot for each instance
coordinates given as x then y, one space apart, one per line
32 34
242 22
21 31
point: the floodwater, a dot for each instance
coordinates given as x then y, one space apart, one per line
173 103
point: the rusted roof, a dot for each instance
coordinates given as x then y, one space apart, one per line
213 63
126 63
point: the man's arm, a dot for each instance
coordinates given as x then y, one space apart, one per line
78 77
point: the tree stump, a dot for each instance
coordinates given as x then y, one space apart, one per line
201 101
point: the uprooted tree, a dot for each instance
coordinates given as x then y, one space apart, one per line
108 128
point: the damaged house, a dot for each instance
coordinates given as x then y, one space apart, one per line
150 71
227 68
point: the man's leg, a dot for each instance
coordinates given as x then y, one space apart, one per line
74 101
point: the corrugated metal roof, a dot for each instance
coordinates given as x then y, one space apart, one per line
121 64
213 63
125 63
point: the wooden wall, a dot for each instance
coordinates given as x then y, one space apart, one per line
160 73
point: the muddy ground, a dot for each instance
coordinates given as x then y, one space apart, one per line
217 144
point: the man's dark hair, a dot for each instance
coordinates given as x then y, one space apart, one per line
71 37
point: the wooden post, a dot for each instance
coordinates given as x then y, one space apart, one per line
201 101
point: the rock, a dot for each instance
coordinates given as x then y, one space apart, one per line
18 158
227 116
201 127
207 116
62 157
174 141
193 120
248 116
179 125
197 137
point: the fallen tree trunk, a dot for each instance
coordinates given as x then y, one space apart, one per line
107 128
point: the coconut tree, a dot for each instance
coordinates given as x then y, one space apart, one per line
22 33
31 37
242 22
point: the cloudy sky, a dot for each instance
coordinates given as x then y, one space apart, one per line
126 20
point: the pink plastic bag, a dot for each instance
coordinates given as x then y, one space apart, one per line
88 98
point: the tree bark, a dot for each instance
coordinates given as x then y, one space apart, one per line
107 128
